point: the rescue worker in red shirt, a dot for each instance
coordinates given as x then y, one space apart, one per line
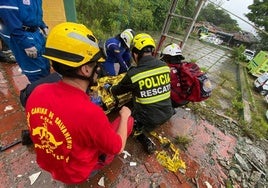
149 83
72 136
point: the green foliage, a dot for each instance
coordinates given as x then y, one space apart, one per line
258 15
204 69
263 45
237 103
143 19
109 17
237 53
193 60
260 126
159 13
230 27
187 9
105 19
183 140
113 16
228 183
218 17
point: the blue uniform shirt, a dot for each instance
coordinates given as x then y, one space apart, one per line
16 14
116 53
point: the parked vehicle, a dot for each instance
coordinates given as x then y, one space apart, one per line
211 38
249 54
259 64
261 84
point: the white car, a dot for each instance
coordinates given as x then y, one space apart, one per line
261 84
249 54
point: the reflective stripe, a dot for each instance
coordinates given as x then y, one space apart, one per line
9 7
155 91
129 34
153 99
149 73
6 36
90 40
34 71
108 46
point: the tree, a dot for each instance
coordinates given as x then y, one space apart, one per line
259 16
109 17
184 8
218 17
102 16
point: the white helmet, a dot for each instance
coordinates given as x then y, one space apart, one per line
172 50
127 36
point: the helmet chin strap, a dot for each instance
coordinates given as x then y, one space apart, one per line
91 81
91 78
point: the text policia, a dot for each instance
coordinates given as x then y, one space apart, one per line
154 85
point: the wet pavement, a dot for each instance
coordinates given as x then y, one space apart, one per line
138 169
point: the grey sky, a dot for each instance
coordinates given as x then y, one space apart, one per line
239 8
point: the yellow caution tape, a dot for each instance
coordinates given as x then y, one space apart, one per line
172 163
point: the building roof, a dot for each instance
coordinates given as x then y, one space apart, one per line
243 36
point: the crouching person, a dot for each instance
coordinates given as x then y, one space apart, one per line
149 82
72 137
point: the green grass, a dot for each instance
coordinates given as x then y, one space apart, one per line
229 91
183 141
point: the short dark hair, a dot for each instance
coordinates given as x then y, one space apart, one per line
172 59
71 72
64 70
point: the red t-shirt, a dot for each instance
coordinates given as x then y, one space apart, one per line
69 131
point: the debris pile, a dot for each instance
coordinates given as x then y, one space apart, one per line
248 167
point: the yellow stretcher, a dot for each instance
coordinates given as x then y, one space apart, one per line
110 102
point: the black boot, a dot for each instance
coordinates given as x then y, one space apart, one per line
25 137
147 143
137 129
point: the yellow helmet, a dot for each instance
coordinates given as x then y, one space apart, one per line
143 40
72 44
